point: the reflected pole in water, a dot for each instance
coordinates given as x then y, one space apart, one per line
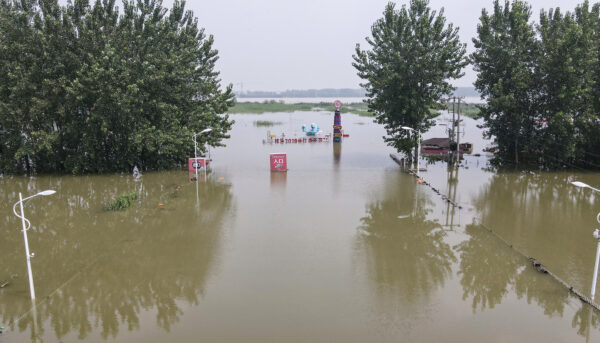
26 225
197 198
34 332
596 236
587 337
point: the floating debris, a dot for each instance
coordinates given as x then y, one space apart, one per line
537 265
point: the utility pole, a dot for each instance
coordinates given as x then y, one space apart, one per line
452 131
458 132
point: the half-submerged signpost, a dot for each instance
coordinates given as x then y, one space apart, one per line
278 162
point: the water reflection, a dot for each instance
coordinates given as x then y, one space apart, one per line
545 217
278 180
490 270
585 320
116 264
337 155
406 254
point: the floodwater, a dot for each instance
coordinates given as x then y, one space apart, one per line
344 247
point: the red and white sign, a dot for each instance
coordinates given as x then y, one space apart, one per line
196 164
337 104
278 162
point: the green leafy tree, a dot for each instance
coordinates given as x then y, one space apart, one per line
564 83
413 55
90 88
586 121
505 59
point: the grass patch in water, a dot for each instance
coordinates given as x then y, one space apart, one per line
360 108
280 106
269 106
122 202
266 123
467 110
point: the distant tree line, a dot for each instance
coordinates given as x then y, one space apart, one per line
94 88
306 93
541 81
332 93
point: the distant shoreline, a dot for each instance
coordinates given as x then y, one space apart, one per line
356 107
469 92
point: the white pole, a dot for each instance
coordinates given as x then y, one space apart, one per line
31 289
195 164
597 236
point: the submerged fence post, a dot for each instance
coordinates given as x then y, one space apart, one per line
597 236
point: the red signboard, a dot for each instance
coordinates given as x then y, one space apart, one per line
278 162
196 163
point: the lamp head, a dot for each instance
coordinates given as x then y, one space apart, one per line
206 130
47 192
407 128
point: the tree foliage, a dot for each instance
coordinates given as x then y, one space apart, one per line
541 83
413 55
505 62
94 88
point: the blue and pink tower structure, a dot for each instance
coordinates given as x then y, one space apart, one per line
337 122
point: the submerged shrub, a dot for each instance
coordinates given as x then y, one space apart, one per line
266 123
122 202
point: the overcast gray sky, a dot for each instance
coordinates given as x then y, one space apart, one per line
299 44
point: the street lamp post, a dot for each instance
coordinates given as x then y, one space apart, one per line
595 277
26 225
196 148
596 235
410 129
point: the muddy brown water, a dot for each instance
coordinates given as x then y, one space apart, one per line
344 247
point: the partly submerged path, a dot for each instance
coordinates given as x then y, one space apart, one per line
534 262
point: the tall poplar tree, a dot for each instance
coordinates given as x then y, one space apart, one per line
413 55
587 121
505 59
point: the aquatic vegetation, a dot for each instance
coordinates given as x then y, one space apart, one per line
122 202
279 106
266 123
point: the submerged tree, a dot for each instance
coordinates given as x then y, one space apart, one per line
541 84
413 55
505 59
95 89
